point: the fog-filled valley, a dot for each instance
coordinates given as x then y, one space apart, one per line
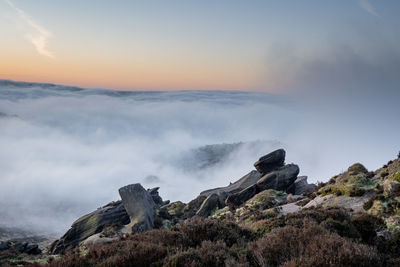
66 150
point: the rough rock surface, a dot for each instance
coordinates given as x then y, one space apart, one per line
98 239
239 198
280 179
156 196
289 208
139 205
301 186
352 203
210 204
390 186
90 224
244 182
270 161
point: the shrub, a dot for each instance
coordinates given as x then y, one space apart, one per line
316 215
198 230
367 225
344 228
356 191
208 254
71 258
311 245
391 245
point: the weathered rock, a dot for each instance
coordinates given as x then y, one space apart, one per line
354 204
222 196
237 199
390 186
175 209
139 205
98 239
20 246
163 213
357 168
244 182
90 224
209 204
193 206
270 161
301 186
288 208
3 246
155 196
32 249
279 179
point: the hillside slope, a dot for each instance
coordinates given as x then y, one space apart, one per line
353 219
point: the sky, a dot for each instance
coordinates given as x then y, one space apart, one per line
285 47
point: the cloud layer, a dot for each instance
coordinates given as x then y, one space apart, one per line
66 151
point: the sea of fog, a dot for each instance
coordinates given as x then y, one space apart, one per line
64 151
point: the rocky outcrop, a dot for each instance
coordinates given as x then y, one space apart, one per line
390 186
193 206
235 200
21 247
354 204
270 161
113 213
271 174
156 196
210 204
301 186
244 182
141 210
139 205
280 179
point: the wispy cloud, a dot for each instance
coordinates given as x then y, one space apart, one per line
368 7
37 35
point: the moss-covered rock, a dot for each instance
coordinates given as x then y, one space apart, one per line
176 208
266 199
113 213
395 176
357 168
390 186
378 208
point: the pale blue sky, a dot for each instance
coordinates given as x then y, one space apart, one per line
275 46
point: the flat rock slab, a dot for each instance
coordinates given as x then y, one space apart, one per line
289 208
98 239
354 203
244 182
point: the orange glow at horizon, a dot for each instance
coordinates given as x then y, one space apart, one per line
135 73
114 74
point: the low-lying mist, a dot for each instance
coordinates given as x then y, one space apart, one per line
65 151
